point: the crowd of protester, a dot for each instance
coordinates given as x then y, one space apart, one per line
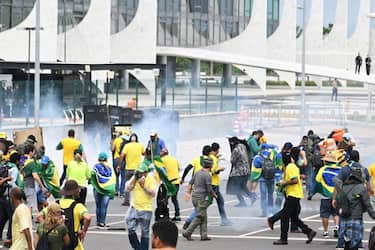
30 182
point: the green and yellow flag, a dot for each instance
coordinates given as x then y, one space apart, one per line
103 179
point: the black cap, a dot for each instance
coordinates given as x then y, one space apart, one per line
32 139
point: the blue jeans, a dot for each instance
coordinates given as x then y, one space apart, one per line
134 219
120 184
350 233
191 216
175 202
102 202
220 203
310 179
267 187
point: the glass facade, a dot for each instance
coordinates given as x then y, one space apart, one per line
199 23
13 12
122 13
273 16
71 13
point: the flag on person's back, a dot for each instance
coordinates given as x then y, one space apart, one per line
324 180
103 179
160 169
51 179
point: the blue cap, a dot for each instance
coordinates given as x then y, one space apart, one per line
102 156
45 160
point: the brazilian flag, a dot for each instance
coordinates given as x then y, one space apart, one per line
51 179
160 169
103 179
324 180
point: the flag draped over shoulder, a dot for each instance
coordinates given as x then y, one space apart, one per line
51 179
103 179
324 180
256 168
160 169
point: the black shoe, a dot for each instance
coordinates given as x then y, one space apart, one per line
125 204
176 218
280 242
186 236
205 239
335 233
310 236
186 225
309 197
270 223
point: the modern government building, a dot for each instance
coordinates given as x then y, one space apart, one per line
156 31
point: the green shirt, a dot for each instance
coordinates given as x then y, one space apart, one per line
55 237
30 167
78 171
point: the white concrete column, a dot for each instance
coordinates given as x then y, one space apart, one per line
195 73
171 71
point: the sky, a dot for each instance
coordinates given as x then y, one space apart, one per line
330 12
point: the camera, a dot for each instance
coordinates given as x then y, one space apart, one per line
137 175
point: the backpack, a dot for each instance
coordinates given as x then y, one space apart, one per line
4 172
43 240
268 168
371 239
69 223
162 210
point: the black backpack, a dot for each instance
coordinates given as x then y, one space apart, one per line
357 174
122 145
268 168
371 239
43 240
4 172
316 158
69 223
162 209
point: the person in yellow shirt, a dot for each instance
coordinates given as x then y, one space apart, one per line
132 152
293 194
21 222
79 171
215 172
68 145
371 171
172 168
143 188
81 216
116 146
196 164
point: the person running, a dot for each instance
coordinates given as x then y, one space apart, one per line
132 153
240 172
293 193
21 222
68 145
172 168
215 172
80 215
196 164
56 232
200 189
143 187
79 171
103 180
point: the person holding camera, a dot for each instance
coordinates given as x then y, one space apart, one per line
143 188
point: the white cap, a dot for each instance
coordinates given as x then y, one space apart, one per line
153 132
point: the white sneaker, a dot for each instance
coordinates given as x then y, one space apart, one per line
325 234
